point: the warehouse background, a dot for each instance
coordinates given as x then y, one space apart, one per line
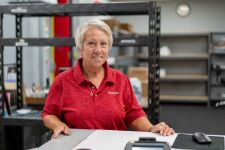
206 16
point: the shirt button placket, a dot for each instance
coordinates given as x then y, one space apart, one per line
94 93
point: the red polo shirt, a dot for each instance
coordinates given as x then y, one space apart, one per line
80 104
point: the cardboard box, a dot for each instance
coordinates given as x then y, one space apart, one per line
144 87
139 72
112 23
126 27
142 74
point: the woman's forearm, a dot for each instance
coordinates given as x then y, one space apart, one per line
141 124
52 121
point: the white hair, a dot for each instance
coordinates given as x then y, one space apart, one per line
83 28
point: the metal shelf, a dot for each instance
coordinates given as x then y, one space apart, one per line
77 9
131 41
31 119
37 42
191 35
179 57
217 85
185 57
68 41
218 99
180 77
217 65
177 98
218 52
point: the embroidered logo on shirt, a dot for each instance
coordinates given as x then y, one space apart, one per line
113 92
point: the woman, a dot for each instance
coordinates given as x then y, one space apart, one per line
93 96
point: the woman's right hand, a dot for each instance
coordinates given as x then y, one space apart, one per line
56 125
61 128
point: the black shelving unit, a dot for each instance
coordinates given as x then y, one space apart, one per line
152 40
217 68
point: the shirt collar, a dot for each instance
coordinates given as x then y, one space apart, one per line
80 78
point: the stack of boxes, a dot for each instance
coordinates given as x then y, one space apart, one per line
142 74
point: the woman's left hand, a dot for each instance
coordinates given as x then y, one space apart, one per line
163 129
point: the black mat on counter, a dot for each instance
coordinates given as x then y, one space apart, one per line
184 141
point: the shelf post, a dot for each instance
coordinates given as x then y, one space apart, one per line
4 98
153 62
1 65
19 60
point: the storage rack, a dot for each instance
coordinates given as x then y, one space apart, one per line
186 81
152 40
189 79
217 68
